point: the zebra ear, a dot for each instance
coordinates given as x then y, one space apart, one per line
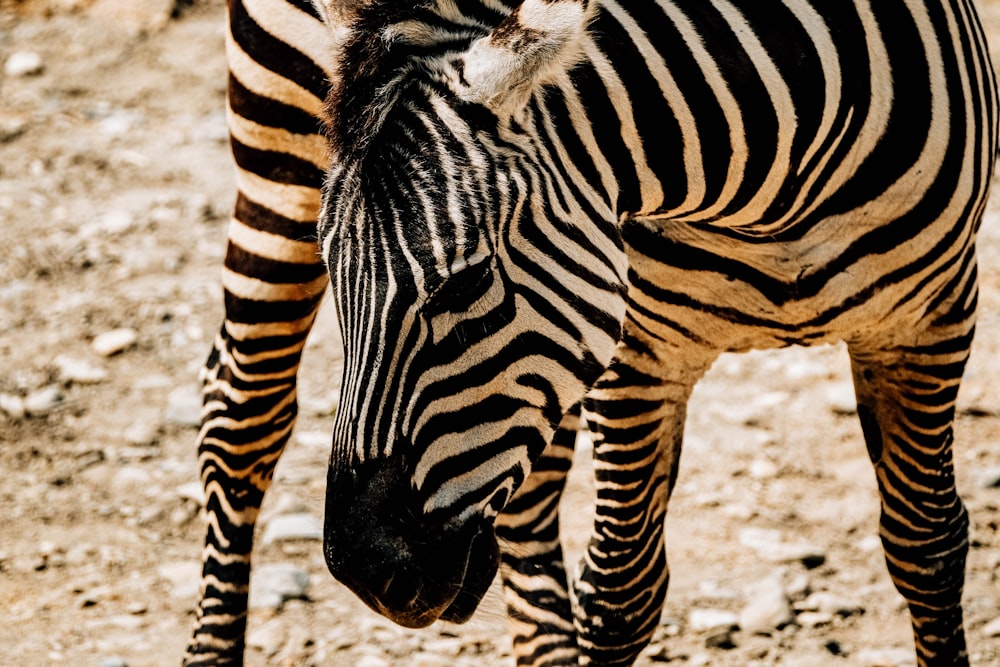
538 41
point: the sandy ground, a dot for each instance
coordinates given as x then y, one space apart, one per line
115 186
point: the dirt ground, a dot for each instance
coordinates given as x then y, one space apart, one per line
115 187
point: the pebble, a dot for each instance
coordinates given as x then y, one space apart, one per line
299 526
268 638
314 439
770 545
272 584
707 619
841 399
813 619
721 637
830 603
184 578
992 629
141 434
184 406
371 661
112 661
43 401
193 491
12 405
79 371
886 657
113 342
23 63
768 608
990 478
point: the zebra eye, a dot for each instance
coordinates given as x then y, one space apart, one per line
459 291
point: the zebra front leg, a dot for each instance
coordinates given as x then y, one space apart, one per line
249 411
906 403
532 565
273 282
637 413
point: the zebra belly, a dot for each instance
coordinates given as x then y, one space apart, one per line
710 287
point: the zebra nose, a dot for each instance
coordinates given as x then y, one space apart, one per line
393 585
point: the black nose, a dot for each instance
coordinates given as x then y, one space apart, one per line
400 562
393 583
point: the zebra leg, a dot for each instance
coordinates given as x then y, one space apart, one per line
906 404
637 413
273 284
532 565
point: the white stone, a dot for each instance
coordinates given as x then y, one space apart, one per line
23 63
992 629
192 491
770 545
371 661
79 371
768 608
184 406
812 619
707 619
841 399
184 578
274 583
300 526
830 603
886 657
43 401
268 638
113 342
315 439
12 405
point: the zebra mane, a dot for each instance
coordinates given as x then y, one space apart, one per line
387 42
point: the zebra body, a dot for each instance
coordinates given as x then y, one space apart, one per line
607 195
536 204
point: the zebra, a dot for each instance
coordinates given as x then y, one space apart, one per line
273 279
536 205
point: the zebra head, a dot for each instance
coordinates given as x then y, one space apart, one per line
477 303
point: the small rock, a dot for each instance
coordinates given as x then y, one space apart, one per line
315 439
841 398
11 129
43 401
113 342
768 608
12 405
886 657
79 371
193 491
707 619
23 63
131 481
770 545
112 661
268 638
813 619
293 527
992 629
990 478
141 434
184 406
830 603
274 583
371 661
184 578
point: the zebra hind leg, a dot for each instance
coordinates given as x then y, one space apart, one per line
906 404
532 565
